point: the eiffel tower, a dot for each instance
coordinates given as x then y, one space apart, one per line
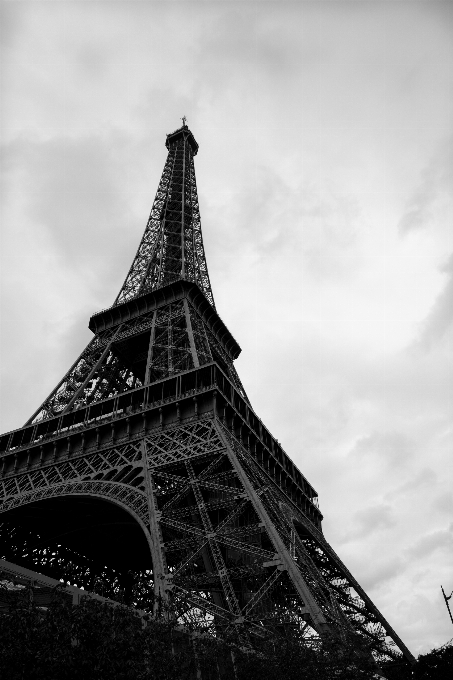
146 476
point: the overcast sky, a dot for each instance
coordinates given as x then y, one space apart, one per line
325 186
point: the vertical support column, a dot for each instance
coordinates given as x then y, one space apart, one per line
162 229
193 349
159 564
183 191
150 348
170 339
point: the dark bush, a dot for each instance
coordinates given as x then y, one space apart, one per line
98 641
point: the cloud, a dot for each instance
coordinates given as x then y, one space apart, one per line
277 217
9 24
433 191
375 573
444 503
370 520
440 318
425 619
76 195
424 479
391 447
436 540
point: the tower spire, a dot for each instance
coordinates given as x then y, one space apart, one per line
172 245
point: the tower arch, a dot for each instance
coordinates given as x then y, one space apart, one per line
84 534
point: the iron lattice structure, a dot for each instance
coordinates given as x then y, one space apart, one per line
147 477
172 245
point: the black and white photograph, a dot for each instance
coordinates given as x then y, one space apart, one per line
226 339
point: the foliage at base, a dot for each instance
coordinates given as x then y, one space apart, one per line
97 641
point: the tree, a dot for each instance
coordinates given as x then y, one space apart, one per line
436 664
92 640
99 641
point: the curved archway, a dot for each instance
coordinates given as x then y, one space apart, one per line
87 539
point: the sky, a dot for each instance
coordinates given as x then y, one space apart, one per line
325 184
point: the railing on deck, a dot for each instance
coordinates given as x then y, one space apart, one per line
183 385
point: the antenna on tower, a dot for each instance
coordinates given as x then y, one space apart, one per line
184 119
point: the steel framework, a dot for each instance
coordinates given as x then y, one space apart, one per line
146 475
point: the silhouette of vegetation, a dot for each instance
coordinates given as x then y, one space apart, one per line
436 665
97 641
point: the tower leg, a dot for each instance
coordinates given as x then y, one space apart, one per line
312 608
161 586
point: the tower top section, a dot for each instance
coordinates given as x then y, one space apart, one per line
182 133
172 245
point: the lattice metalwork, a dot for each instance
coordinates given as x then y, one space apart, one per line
217 555
172 245
98 373
173 484
170 339
171 350
340 598
116 463
121 493
140 351
237 558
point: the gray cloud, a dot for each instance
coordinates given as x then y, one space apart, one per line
376 574
391 447
440 317
436 540
444 503
9 24
435 185
424 479
73 192
369 520
279 220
